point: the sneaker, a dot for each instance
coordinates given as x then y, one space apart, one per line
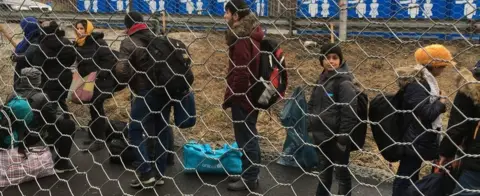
143 180
64 166
242 186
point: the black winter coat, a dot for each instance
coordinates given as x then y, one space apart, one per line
460 128
325 118
96 56
54 56
417 98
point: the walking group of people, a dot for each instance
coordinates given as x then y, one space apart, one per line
44 61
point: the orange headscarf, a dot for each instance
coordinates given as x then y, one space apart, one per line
88 31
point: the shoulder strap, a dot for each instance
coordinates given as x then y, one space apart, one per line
336 87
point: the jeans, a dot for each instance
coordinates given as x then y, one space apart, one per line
468 180
245 131
409 168
153 111
333 154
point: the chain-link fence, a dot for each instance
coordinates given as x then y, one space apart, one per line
383 41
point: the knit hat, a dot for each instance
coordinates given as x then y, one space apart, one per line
132 18
238 5
435 55
330 49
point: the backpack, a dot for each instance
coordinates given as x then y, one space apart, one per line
387 124
117 143
18 110
360 131
272 79
169 64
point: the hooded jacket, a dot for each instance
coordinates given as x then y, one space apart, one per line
53 54
467 105
416 97
325 118
243 40
95 55
30 32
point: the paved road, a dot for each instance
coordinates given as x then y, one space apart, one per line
97 176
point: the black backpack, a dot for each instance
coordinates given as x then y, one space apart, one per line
360 131
169 64
272 79
387 124
117 143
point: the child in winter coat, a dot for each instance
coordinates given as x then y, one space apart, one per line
334 86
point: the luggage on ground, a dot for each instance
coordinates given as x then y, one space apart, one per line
16 168
202 158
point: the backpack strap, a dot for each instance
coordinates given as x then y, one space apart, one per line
336 87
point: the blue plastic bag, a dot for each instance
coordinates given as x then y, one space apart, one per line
185 112
202 158
293 117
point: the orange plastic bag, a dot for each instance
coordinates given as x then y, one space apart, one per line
81 89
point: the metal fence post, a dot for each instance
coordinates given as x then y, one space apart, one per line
343 20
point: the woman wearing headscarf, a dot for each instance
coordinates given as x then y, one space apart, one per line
31 33
94 55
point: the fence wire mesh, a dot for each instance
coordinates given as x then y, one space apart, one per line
382 37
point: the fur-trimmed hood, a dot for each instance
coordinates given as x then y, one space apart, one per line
409 74
466 82
247 26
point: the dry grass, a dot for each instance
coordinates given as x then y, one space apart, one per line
370 59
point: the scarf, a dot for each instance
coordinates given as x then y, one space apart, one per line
434 94
88 31
136 27
30 30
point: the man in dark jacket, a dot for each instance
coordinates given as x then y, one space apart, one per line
53 54
148 112
421 94
334 86
243 38
462 133
59 134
